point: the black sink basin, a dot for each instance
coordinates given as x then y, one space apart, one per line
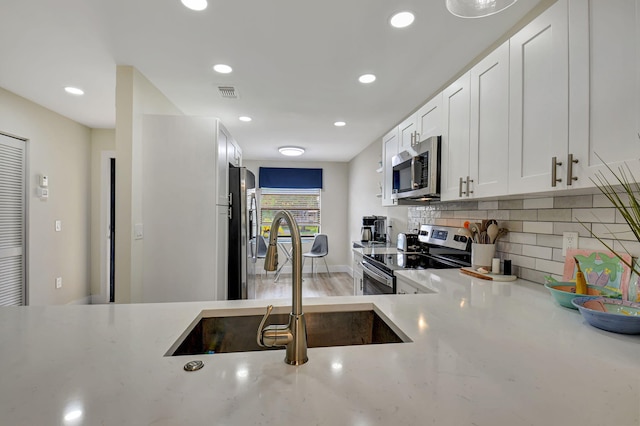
211 334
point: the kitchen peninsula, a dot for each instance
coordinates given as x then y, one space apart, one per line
481 353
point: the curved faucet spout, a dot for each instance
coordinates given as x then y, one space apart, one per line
293 335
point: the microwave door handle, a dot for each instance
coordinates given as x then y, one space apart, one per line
414 181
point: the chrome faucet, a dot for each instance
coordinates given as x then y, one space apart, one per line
294 334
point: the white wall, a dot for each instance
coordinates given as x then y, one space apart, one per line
334 200
363 186
59 148
135 96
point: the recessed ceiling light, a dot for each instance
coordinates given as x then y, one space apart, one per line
195 4
477 8
367 78
291 151
339 123
74 90
222 68
244 118
402 19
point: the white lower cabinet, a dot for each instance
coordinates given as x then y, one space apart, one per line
407 287
357 273
604 90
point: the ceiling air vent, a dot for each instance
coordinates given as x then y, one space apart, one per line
228 92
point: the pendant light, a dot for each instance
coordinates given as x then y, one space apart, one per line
477 8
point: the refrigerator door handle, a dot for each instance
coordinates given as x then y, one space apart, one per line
230 196
229 214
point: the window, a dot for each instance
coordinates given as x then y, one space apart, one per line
304 205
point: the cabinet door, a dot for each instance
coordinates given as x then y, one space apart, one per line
538 93
489 117
604 46
389 149
222 183
220 285
429 118
455 139
408 133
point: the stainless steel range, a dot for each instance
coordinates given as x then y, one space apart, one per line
440 247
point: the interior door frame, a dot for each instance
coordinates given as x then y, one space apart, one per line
105 209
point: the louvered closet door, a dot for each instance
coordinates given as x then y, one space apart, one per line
12 235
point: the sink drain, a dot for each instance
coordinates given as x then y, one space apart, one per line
193 365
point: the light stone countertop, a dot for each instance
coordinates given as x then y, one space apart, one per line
482 353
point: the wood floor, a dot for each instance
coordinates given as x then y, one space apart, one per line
318 285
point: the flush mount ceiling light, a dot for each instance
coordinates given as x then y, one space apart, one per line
244 118
74 91
367 78
477 8
402 19
339 123
222 68
291 151
196 5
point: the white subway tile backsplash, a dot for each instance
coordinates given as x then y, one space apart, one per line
538 203
523 261
538 227
593 243
537 251
487 205
631 247
604 215
554 215
613 231
522 238
573 201
549 266
549 240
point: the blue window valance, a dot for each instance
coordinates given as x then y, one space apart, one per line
284 177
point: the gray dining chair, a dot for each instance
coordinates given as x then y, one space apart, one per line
261 251
319 249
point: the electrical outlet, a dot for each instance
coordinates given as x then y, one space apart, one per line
569 241
58 225
59 282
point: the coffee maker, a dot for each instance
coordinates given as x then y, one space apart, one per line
377 226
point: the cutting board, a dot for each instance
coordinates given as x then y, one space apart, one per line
491 277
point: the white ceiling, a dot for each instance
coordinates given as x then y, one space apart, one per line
296 63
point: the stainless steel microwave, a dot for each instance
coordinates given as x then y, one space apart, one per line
416 172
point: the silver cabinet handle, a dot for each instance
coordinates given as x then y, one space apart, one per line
570 176
417 138
469 192
554 173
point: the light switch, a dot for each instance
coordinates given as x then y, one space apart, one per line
59 282
58 225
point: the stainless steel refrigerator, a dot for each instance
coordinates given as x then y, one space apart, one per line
243 226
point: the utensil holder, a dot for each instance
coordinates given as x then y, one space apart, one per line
482 255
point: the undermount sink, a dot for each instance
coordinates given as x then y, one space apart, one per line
225 331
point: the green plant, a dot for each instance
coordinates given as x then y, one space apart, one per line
624 194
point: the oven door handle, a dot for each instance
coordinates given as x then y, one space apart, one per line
382 278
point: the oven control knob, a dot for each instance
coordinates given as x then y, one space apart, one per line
460 238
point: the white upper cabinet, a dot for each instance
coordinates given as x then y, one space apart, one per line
408 133
429 119
389 149
455 182
539 106
604 47
489 118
